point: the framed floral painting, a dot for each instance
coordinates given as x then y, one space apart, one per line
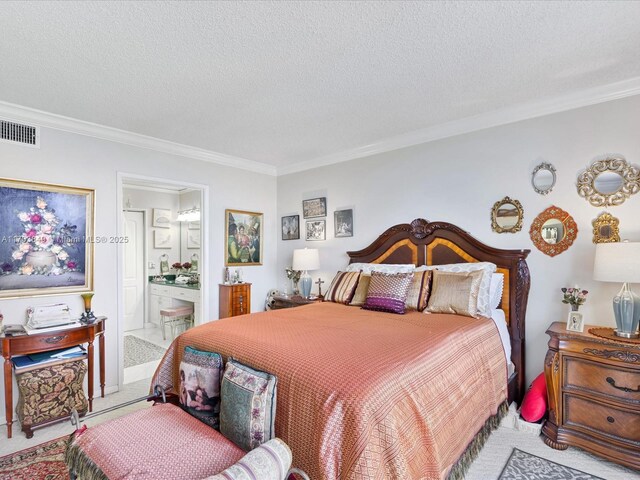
243 232
46 239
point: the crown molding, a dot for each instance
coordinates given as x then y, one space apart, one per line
482 121
10 111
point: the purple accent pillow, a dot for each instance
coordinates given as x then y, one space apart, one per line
388 292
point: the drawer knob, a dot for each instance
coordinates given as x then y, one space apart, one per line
57 339
611 419
612 382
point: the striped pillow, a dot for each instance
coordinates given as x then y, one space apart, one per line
270 461
388 292
419 291
342 287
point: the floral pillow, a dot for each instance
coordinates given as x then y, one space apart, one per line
388 292
199 393
248 408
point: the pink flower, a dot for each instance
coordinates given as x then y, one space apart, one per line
17 255
44 240
46 229
25 247
41 203
35 218
26 269
31 233
71 264
23 216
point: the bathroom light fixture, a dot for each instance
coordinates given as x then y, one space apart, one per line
190 215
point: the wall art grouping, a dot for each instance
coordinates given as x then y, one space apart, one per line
46 239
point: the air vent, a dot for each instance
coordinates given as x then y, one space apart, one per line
19 133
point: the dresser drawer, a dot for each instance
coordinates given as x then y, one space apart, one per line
185 294
613 381
599 418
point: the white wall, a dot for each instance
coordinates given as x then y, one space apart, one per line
459 179
188 200
82 161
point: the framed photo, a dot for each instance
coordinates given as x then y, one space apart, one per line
161 218
316 230
193 239
243 231
46 239
291 227
575 322
343 223
314 207
161 239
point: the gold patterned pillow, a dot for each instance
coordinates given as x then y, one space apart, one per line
342 287
418 291
361 291
455 293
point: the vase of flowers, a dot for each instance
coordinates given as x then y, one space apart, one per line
574 296
294 276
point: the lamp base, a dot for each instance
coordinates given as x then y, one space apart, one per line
626 309
305 284
625 334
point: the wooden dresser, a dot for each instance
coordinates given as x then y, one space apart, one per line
235 299
593 386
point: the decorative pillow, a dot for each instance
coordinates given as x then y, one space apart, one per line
534 404
368 268
269 461
495 290
200 374
419 291
248 409
361 291
388 292
455 293
342 287
487 268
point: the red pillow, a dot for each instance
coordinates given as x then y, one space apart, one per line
534 404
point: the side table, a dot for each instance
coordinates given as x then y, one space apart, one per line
291 301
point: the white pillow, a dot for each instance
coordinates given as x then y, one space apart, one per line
488 268
495 290
367 268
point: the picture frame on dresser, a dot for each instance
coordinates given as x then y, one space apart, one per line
48 232
575 322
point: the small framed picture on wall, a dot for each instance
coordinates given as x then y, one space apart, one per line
343 223
291 227
314 207
316 230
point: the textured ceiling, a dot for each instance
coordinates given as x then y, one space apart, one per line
288 82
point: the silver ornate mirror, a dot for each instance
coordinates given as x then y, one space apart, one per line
609 182
543 178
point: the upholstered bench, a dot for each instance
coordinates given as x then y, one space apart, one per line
175 317
164 441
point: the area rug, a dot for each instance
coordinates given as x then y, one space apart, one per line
522 465
138 351
42 462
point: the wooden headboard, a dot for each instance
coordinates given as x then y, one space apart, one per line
437 243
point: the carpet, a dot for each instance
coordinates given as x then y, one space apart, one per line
523 465
138 351
42 462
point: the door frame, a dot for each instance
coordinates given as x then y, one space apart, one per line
204 253
145 270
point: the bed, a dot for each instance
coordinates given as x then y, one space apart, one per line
373 395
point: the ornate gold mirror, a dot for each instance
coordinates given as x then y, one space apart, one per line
609 182
605 228
553 231
543 178
506 216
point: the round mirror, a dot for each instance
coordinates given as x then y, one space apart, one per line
608 182
543 178
552 231
506 216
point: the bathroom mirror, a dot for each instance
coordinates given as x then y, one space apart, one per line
543 178
553 231
609 182
605 228
506 216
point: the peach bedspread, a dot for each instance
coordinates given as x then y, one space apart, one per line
362 394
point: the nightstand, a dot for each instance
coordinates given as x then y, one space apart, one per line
235 299
593 387
290 301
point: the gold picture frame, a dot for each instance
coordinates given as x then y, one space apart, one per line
506 216
606 228
47 239
243 238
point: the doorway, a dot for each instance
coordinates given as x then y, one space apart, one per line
162 266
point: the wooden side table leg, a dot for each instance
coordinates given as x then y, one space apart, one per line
90 373
101 343
8 394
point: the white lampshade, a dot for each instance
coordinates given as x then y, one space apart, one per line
617 262
306 259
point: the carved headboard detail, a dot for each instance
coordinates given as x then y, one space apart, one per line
437 243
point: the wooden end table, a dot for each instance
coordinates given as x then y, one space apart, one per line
291 301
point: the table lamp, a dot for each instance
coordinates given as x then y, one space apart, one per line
620 262
305 259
